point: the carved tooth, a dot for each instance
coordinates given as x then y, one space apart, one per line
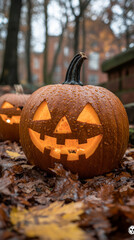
64 151
72 157
71 143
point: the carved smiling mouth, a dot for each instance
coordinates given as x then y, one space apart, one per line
10 120
71 148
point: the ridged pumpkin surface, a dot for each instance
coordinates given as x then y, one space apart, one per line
83 127
10 110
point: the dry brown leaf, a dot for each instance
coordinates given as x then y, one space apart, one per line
5 182
56 222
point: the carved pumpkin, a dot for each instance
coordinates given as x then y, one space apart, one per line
11 105
83 127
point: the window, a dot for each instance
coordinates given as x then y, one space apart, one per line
94 61
58 69
93 79
36 63
66 51
35 78
66 64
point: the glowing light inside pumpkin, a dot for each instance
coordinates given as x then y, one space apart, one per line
13 119
42 112
8 121
71 148
7 105
63 126
88 115
5 118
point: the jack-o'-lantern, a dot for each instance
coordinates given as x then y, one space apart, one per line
11 105
83 127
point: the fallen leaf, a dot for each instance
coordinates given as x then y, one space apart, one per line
5 182
105 192
13 154
52 223
108 200
3 216
60 171
54 232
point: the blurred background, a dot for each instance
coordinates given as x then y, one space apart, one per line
38 39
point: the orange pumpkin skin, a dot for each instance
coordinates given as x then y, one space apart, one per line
83 127
10 110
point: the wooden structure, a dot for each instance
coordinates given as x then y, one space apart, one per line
120 70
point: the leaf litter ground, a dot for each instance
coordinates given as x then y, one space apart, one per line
34 205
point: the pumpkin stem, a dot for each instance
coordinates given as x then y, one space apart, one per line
73 72
18 88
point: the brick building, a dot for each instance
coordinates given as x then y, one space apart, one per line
100 44
120 71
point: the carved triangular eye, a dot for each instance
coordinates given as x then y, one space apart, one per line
42 113
7 105
63 126
88 115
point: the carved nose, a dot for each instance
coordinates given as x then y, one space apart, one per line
63 126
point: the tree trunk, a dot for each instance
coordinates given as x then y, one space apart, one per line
45 69
28 42
76 34
55 58
10 64
82 7
83 48
57 52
